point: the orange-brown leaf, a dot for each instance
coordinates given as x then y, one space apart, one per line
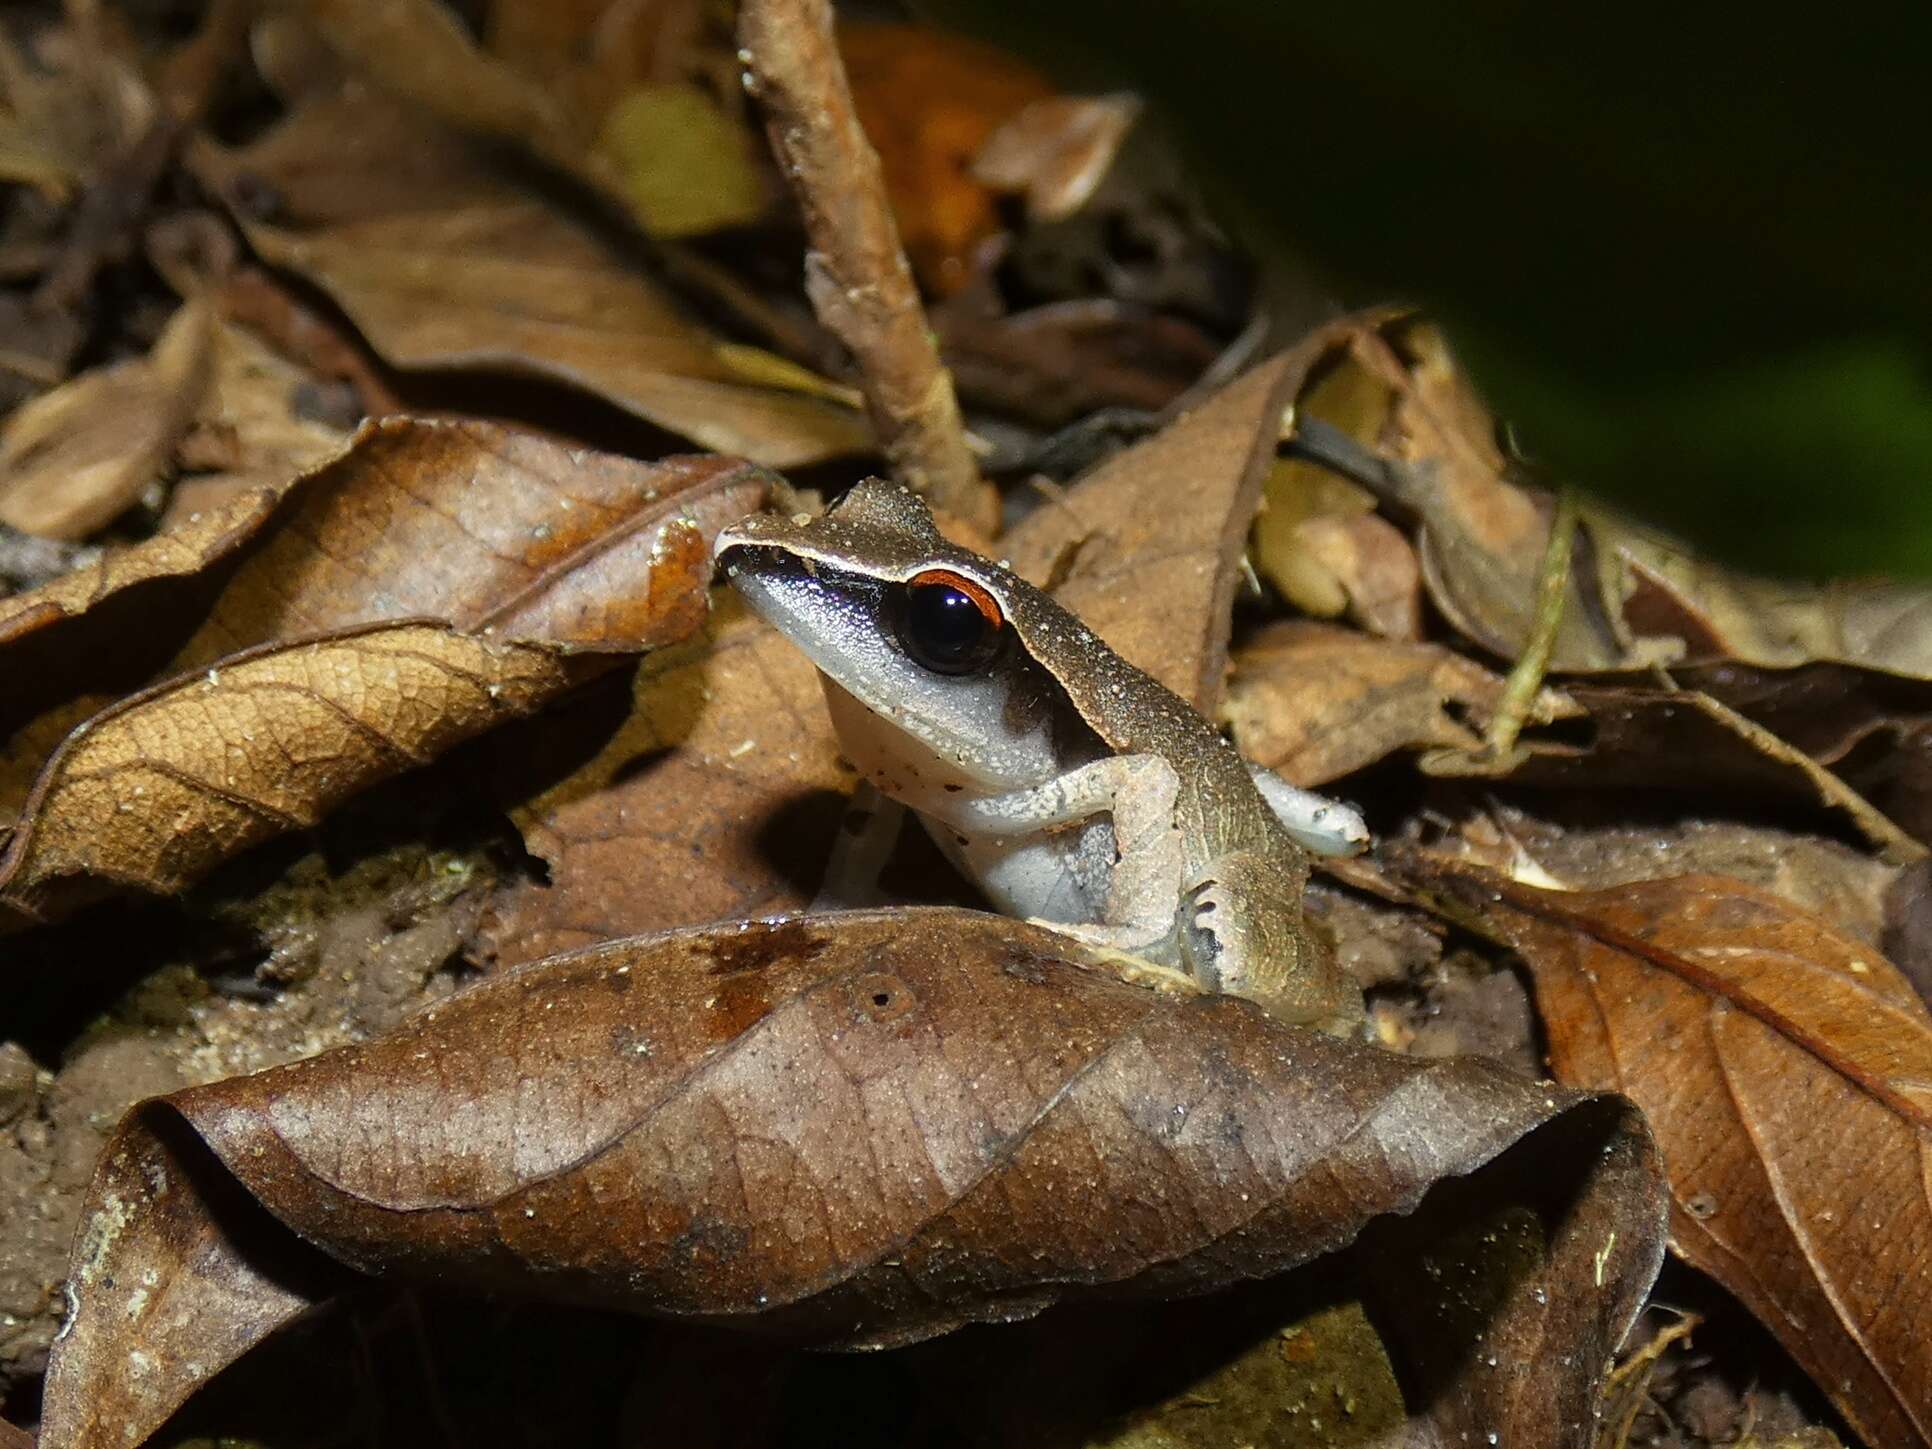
929 101
1787 1070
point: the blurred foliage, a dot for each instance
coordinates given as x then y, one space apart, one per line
1683 249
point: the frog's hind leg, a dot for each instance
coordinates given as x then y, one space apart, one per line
1317 823
1244 936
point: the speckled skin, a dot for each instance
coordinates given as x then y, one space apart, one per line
1066 699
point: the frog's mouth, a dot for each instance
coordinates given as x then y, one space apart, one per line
834 617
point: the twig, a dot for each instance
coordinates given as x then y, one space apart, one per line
111 209
855 270
1552 591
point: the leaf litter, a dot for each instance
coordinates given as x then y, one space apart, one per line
879 1126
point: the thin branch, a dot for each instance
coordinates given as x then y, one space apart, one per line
855 271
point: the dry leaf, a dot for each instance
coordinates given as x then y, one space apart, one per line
85 618
683 163
591 51
419 51
1636 598
250 431
490 531
716 791
1659 588
593 101
182 551
1056 151
67 107
1785 1068
1317 538
928 102
152 794
1682 740
1147 549
1054 364
867 1128
442 263
1314 703
75 459
1873 729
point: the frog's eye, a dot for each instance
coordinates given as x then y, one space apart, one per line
948 623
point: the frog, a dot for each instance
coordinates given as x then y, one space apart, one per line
1075 790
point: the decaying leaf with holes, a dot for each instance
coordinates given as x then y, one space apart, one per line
954 1117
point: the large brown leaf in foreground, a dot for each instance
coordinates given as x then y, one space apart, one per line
1787 1070
849 1129
275 703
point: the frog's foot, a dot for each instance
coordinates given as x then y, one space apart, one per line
1317 823
1245 936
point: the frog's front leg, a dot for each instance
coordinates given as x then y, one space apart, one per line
1138 792
1245 936
867 833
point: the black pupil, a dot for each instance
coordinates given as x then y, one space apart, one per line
945 631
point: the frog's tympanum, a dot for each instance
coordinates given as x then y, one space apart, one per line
1073 788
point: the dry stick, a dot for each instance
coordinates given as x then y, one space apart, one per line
855 269
1525 681
117 201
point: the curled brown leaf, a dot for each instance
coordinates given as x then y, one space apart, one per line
153 793
1785 1068
865 1128
505 536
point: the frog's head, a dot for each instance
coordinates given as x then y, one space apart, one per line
919 632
